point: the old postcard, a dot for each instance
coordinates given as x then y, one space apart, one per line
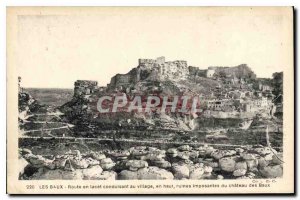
150 100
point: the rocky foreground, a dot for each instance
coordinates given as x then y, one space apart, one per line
149 163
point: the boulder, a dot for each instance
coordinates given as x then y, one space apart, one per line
79 163
60 163
239 150
274 171
185 155
139 153
197 172
184 148
264 150
107 164
120 153
162 164
180 171
97 155
212 164
220 177
107 175
239 172
241 165
277 159
193 154
92 161
57 174
227 164
140 148
152 149
37 160
92 173
128 175
155 156
154 173
248 156
208 150
218 154
120 165
134 165
250 175
251 164
269 157
208 169
262 162
172 151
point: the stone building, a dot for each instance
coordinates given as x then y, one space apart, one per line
210 73
151 69
85 87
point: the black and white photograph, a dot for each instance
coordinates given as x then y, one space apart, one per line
150 99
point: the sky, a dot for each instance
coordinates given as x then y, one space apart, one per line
56 48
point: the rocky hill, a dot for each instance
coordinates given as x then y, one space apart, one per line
161 78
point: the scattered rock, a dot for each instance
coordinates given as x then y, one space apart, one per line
134 165
241 165
197 172
92 173
78 163
185 155
97 156
154 173
239 172
262 162
162 164
180 171
271 171
184 148
227 164
128 175
107 164
263 151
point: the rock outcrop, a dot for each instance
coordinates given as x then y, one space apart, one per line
142 162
